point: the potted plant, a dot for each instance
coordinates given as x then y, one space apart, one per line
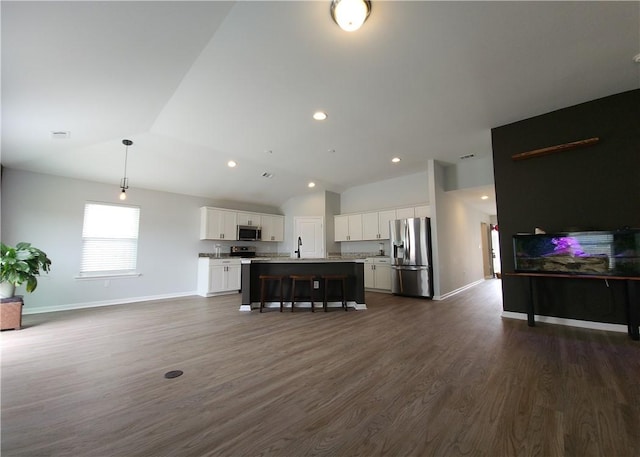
21 264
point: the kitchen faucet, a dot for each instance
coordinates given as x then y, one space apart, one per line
299 244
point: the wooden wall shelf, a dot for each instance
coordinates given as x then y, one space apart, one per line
557 148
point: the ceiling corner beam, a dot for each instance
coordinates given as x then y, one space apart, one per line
557 148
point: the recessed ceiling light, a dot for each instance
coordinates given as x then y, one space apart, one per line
319 115
485 197
636 58
231 163
395 159
311 184
266 174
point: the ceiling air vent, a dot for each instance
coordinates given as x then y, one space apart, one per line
60 135
468 156
267 175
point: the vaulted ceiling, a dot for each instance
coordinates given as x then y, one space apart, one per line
195 84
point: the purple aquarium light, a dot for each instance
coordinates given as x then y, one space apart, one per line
567 245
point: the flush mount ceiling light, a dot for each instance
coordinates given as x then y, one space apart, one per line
231 163
124 182
350 14
319 115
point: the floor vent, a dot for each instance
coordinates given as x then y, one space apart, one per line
173 374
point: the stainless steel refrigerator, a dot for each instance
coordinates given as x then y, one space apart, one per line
411 269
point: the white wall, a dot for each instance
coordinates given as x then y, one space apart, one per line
456 233
332 207
311 204
48 212
409 190
469 174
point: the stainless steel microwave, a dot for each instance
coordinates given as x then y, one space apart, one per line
249 233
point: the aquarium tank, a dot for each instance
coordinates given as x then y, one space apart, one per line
615 253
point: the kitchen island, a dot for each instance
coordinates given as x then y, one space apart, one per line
254 267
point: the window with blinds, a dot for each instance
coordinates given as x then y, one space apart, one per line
109 239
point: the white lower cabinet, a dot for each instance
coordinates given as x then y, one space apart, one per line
218 276
377 273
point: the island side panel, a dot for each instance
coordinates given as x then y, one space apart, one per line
245 284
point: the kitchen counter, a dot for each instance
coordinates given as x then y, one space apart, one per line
254 260
252 268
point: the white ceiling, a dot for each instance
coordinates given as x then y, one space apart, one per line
195 84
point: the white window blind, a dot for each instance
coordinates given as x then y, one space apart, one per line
109 239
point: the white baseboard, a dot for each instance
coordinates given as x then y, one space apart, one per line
622 328
96 304
457 291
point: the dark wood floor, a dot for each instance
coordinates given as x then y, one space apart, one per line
407 377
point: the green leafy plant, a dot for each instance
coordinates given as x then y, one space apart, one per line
22 264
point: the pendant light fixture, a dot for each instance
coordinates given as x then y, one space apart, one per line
350 14
124 182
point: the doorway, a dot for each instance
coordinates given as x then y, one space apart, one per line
309 230
487 250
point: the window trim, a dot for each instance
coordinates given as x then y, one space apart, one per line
109 274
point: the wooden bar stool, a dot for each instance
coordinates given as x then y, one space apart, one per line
301 278
343 296
263 288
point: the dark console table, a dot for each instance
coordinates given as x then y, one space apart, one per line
631 303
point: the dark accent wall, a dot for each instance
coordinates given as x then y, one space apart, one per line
591 188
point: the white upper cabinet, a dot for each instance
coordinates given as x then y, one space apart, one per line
405 213
415 211
370 227
383 222
217 224
375 225
422 211
222 224
252 219
272 228
348 227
